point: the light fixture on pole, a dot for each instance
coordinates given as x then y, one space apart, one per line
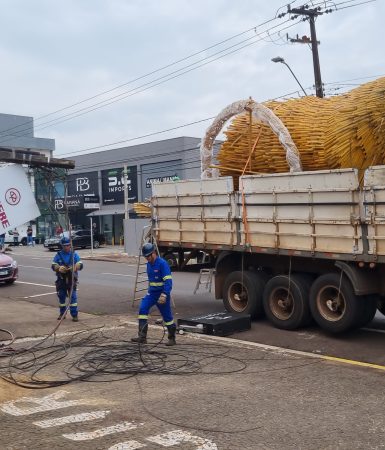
279 59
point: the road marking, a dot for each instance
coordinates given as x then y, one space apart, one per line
47 403
353 362
178 437
117 274
84 417
128 445
36 267
35 284
38 295
283 350
118 428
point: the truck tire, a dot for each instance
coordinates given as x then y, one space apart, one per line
242 293
171 260
333 303
286 301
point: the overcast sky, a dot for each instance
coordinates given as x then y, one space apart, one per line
55 54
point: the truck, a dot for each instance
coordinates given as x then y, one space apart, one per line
297 246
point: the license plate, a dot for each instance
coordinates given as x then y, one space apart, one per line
3 272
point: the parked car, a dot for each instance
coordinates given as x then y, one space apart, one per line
80 239
8 269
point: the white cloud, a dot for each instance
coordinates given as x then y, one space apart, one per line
55 54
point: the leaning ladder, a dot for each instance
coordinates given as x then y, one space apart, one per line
205 278
141 281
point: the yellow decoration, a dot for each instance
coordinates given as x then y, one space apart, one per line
330 133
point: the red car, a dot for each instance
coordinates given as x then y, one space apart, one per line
8 269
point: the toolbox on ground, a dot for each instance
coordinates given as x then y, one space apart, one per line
218 324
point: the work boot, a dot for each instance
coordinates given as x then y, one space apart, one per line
61 315
171 335
75 319
142 335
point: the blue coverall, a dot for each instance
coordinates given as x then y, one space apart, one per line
160 281
65 280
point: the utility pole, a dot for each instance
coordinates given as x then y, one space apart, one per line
311 14
125 192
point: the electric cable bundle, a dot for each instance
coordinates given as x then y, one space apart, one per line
330 133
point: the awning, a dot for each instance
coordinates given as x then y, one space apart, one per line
111 210
107 211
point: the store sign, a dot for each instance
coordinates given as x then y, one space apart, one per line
113 186
91 202
149 181
82 184
17 202
62 204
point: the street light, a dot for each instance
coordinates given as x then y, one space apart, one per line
279 59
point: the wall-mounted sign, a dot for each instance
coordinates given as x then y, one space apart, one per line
149 181
91 202
113 186
62 204
81 184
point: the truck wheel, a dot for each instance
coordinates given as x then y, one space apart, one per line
243 293
171 260
286 303
333 303
368 305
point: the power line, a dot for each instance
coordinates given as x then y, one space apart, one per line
152 72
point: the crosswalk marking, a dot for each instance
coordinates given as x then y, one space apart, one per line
84 417
118 428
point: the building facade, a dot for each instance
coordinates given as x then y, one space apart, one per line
17 133
96 185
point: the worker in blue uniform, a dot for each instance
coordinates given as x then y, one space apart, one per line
159 294
67 264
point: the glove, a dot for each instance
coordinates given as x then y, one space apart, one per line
62 269
78 266
162 299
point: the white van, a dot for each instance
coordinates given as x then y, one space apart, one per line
22 229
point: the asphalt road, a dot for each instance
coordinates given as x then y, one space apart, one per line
107 288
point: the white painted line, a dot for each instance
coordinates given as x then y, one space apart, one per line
117 274
87 436
84 417
128 445
35 284
179 437
36 267
48 403
38 295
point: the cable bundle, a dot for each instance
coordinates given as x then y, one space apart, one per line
330 133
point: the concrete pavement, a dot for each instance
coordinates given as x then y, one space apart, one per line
205 393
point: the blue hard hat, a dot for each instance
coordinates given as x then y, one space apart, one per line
65 241
147 249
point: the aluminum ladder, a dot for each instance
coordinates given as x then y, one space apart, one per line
205 278
141 280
